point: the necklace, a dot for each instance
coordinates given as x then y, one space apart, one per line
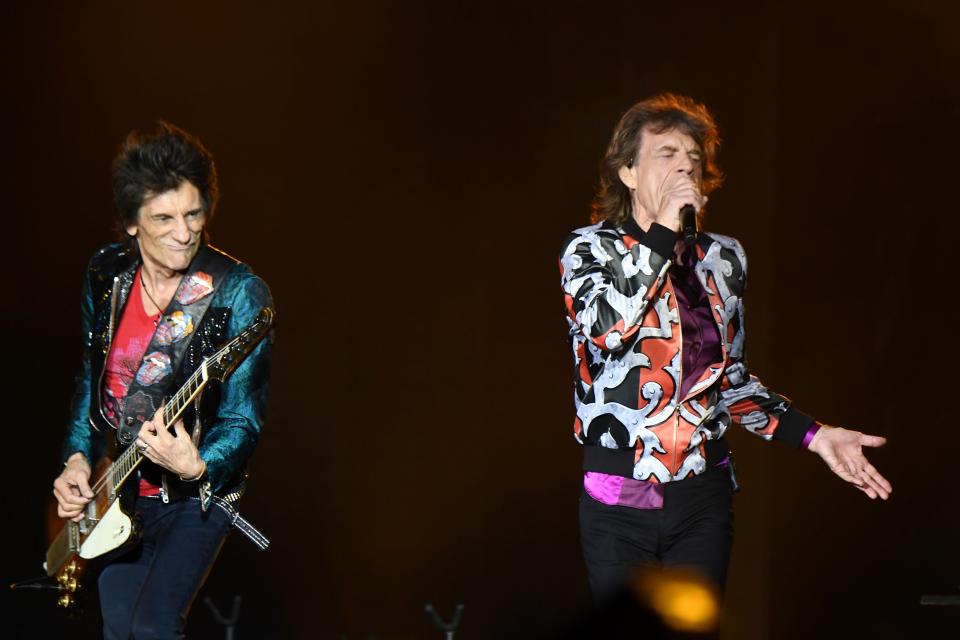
150 298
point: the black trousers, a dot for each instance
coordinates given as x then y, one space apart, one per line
694 530
146 593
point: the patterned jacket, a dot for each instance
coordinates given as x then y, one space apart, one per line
625 333
232 415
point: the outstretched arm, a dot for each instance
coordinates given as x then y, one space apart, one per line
842 450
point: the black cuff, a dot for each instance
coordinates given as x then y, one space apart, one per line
793 427
661 240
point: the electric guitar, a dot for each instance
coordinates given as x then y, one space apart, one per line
108 524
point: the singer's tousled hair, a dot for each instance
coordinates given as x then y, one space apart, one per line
150 163
661 113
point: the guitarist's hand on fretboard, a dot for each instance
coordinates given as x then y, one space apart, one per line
175 452
72 488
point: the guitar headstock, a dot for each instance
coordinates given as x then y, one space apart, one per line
225 360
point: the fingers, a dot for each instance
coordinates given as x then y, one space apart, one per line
152 425
68 501
169 450
69 504
179 429
153 436
868 478
870 491
852 468
847 471
884 488
866 473
870 486
679 188
846 475
74 514
159 439
841 470
145 445
67 493
685 192
76 473
72 488
83 484
149 443
872 441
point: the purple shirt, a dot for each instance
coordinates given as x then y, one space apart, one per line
701 338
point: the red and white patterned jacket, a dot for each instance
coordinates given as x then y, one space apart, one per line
626 338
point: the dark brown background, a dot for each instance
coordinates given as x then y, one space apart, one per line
402 174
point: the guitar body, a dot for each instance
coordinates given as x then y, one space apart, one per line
114 530
108 524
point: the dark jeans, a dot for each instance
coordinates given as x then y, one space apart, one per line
147 592
694 529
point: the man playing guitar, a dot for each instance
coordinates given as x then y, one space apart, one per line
153 307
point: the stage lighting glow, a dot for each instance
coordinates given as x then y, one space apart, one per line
682 599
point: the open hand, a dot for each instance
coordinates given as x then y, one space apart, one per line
842 450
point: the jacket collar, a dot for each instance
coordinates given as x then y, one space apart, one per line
633 229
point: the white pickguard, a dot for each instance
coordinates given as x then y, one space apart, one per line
111 531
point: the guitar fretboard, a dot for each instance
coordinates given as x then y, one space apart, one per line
127 461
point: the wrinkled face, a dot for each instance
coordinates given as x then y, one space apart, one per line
659 155
169 228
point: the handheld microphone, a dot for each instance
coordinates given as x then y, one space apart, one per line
688 224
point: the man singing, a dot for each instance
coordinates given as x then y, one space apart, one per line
153 306
657 331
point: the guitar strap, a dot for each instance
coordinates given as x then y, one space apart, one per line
170 340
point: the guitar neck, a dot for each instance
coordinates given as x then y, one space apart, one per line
126 462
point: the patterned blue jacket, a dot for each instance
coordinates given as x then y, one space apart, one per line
232 414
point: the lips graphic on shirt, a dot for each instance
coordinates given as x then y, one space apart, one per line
198 285
155 367
174 327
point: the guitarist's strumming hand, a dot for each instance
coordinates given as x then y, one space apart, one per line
174 452
72 488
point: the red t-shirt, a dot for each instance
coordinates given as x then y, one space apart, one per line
130 342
